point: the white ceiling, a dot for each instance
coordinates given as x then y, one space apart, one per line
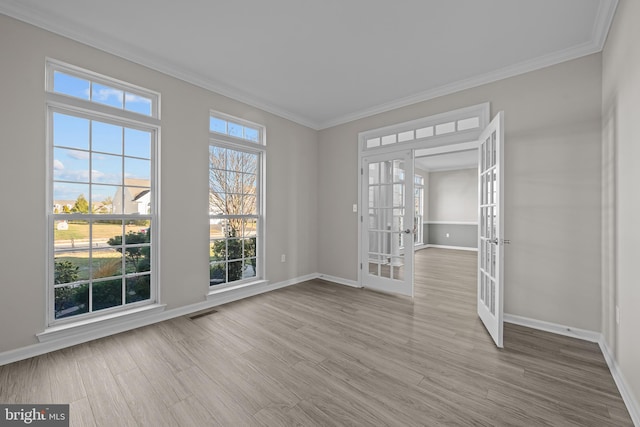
448 161
325 62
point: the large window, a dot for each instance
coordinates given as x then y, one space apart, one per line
235 206
102 190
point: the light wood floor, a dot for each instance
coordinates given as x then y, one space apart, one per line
325 354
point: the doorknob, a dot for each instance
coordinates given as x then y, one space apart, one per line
496 241
408 231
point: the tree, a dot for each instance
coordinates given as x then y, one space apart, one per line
81 205
232 185
138 257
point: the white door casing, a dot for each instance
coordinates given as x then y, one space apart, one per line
387 222
491 228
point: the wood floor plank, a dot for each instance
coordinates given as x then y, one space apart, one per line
321 354
108 405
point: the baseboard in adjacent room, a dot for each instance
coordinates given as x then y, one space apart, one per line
457 248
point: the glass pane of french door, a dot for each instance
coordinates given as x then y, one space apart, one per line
388 222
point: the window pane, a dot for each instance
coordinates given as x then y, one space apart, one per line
249 184
249 269
137 143
137 200
234 270
107 95
217 125
217 158
106 138
250 163
107 294
138 288
217 202
71 235
218 251
68 198
234 247
70 267
217 273
71 300
251 134
70 85
137 104
215 228
69 131
236 130
249 247
106 263
137 169
106 169
70 165
103 197
249 206
250 227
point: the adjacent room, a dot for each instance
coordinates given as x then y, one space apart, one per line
329 213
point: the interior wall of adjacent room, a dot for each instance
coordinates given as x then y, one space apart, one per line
291 179
453 195
552 188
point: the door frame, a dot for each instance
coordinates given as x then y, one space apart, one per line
442 139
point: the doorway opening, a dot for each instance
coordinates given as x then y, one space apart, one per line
392 201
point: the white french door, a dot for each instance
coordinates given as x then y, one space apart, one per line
490 240
387 219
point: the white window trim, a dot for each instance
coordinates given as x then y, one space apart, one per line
56 102
233 143
262 134
53 65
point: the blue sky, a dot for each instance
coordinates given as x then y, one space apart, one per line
101 94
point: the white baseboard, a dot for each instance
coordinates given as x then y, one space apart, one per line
213 299
627 395
555 328
339 280
457 248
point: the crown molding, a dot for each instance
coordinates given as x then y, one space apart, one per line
602 24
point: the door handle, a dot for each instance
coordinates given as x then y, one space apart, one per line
496 241
408 231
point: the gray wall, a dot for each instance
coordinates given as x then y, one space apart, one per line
452 200
453 196
552 188
292 180
459 235
621 201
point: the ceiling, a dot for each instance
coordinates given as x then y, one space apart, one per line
322 63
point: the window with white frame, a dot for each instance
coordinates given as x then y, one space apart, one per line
236 168
103 138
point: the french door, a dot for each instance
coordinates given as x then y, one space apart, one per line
491 227
388 222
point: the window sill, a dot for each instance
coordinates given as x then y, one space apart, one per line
97 327
243 290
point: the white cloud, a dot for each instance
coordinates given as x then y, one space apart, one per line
107 93
79 155
58 165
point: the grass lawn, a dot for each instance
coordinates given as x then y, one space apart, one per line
100 231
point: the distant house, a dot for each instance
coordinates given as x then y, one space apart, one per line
59 205
137 197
